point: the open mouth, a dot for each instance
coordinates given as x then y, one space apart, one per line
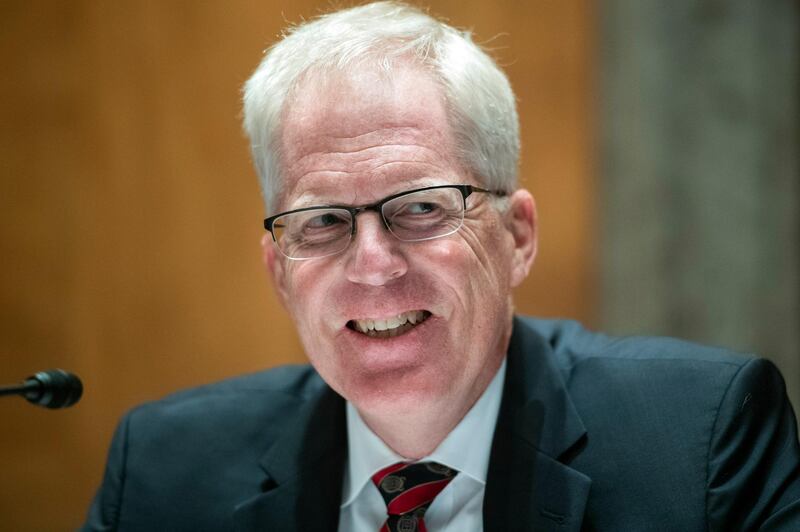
390 327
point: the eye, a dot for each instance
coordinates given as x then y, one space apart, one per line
420 207
325 220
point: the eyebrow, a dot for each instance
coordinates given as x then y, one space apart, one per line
305 200
310 199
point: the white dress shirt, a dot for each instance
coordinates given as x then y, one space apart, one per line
459 506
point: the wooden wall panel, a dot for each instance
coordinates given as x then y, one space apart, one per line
130 216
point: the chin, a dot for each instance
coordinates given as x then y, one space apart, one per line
397 391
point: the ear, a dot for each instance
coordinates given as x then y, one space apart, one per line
521 223
274 264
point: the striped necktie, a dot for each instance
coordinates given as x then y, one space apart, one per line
408 490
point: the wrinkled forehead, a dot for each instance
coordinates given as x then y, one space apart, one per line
361 99
343 119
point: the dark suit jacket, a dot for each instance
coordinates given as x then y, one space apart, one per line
594 433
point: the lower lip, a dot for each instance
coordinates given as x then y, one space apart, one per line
403 347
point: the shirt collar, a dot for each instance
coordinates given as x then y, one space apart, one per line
466 448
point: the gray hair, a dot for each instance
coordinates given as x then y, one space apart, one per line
480 103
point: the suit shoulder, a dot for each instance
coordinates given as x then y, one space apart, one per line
297 380
258 394
708 426
573 344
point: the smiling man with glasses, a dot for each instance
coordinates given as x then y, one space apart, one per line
387 143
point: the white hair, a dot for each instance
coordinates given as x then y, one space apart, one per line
480 103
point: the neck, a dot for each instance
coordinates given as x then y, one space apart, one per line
431 423
412 445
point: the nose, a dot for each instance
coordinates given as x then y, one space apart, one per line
374 258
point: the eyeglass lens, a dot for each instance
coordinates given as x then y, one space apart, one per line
419 215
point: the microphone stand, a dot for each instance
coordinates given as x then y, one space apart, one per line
31 385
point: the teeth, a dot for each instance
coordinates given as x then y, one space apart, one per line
390 325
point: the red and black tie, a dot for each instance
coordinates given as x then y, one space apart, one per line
409 489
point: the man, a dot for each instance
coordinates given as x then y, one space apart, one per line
387 147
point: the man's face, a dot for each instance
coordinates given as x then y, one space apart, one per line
352 140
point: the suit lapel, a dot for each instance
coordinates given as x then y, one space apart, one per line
303 473
529 484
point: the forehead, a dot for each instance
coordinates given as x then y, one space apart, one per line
348 133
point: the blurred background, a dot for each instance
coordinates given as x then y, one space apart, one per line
659 138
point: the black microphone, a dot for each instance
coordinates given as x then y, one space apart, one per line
54 388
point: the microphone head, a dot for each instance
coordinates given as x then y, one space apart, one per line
56 389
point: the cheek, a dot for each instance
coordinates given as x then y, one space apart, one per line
481 256
306 286
450 261
471 273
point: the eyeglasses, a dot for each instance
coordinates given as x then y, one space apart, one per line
411 216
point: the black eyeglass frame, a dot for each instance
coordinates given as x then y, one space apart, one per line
466 191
